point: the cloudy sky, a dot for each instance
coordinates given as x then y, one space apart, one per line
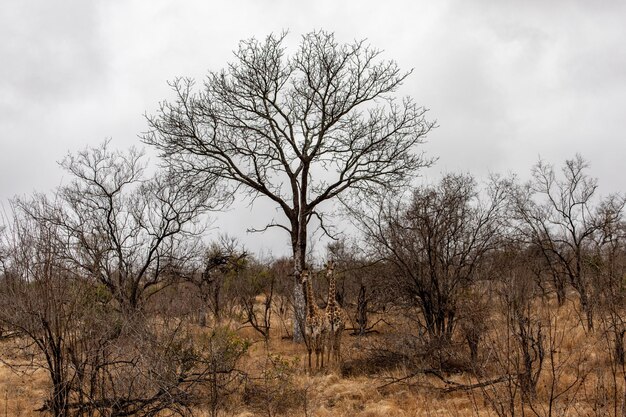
506 81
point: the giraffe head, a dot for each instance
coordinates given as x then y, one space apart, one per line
330 267
304 276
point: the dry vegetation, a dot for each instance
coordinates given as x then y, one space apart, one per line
502 299
371 382
501 302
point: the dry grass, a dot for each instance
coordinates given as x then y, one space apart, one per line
580 360
21 391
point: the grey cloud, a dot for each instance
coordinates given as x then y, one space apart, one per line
507 81
53 49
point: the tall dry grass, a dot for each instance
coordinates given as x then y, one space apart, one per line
578 366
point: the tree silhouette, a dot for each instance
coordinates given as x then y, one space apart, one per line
300 130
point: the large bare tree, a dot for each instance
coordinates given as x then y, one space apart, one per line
299 130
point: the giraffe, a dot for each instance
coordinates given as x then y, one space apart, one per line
314 326
336 318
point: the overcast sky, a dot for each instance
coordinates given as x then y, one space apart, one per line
506 81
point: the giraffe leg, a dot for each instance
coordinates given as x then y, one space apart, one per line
310 351
329 346
320 351
337 349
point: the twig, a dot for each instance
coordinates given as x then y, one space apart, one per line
460 387
455 385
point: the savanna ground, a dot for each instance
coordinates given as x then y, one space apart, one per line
393 372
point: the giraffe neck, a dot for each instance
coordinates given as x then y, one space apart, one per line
310 302
331 305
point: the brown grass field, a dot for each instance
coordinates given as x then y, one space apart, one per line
578 365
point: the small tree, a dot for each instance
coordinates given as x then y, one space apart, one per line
299 130
257 280
557 215
436 243
217 283
118 227
40 300
102 359
608 266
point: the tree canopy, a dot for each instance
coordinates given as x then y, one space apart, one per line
299 130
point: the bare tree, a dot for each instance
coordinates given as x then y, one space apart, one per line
96 357
608 265
558 216
64 277
37 301
517 335
282 270
120 228
436 243
258 280
299 130
217 285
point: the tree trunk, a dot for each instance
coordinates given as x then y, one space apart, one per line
586 306
299 305
299 302
472 343
619 347
559 287
60 389
361 318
